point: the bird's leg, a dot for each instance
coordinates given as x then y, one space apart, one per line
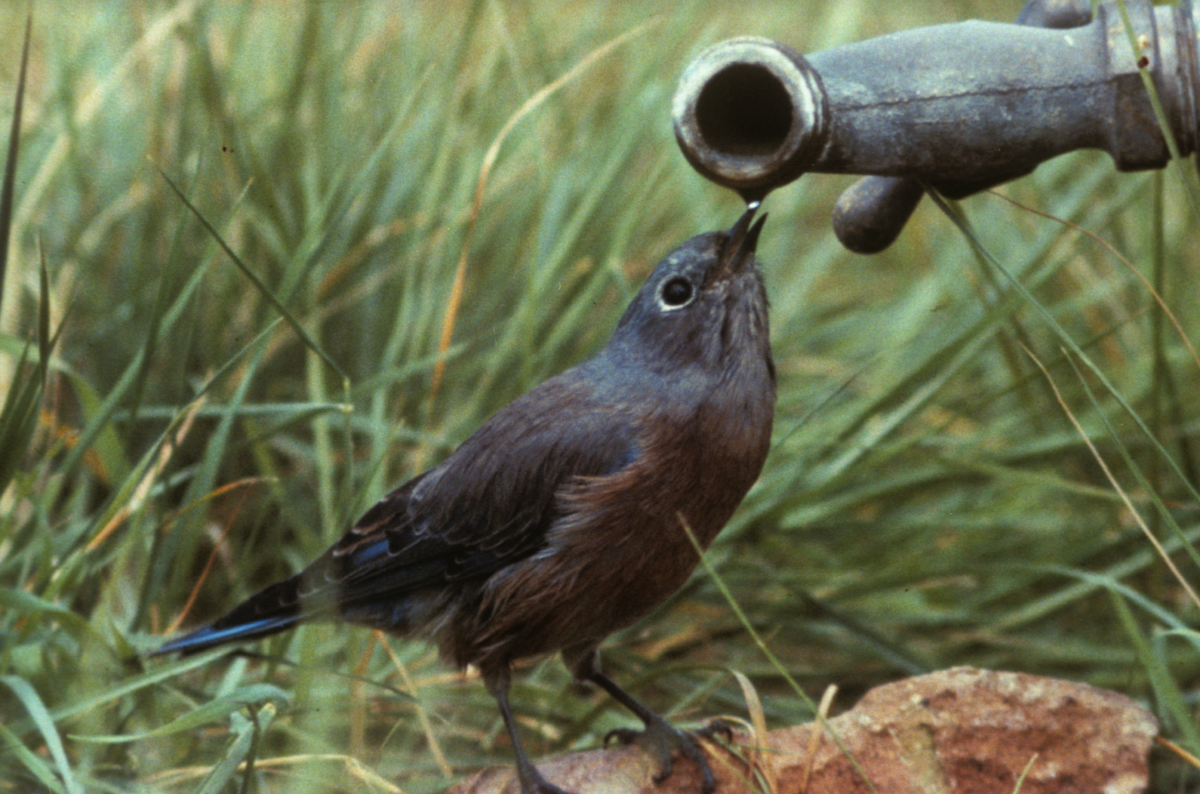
660 737
531 779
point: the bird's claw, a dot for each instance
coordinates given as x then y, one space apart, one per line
542 787
662 739
718 727
532 782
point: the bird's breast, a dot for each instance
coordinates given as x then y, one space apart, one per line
621 544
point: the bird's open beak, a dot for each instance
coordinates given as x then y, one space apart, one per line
741 242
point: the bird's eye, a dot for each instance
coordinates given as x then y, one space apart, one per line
676 292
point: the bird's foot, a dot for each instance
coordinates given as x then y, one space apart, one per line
532 782
718 727
661 739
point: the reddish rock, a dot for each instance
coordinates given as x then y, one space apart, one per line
959 731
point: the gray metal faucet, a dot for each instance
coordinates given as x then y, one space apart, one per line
960 107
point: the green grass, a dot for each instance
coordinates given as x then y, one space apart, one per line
211 423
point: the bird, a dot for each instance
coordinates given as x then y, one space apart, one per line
574 511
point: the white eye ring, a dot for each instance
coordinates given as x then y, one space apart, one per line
675 293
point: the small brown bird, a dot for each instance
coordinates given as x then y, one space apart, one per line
566 516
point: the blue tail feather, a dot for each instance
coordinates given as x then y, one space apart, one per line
210 636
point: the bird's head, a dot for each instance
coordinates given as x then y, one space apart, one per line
703 306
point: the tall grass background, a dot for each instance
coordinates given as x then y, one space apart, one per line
295 252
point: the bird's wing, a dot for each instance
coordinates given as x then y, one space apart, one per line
491 502
487 506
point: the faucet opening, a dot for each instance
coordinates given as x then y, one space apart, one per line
744 111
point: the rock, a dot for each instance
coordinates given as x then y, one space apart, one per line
959 731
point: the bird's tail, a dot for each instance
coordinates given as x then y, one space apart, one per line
271 611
